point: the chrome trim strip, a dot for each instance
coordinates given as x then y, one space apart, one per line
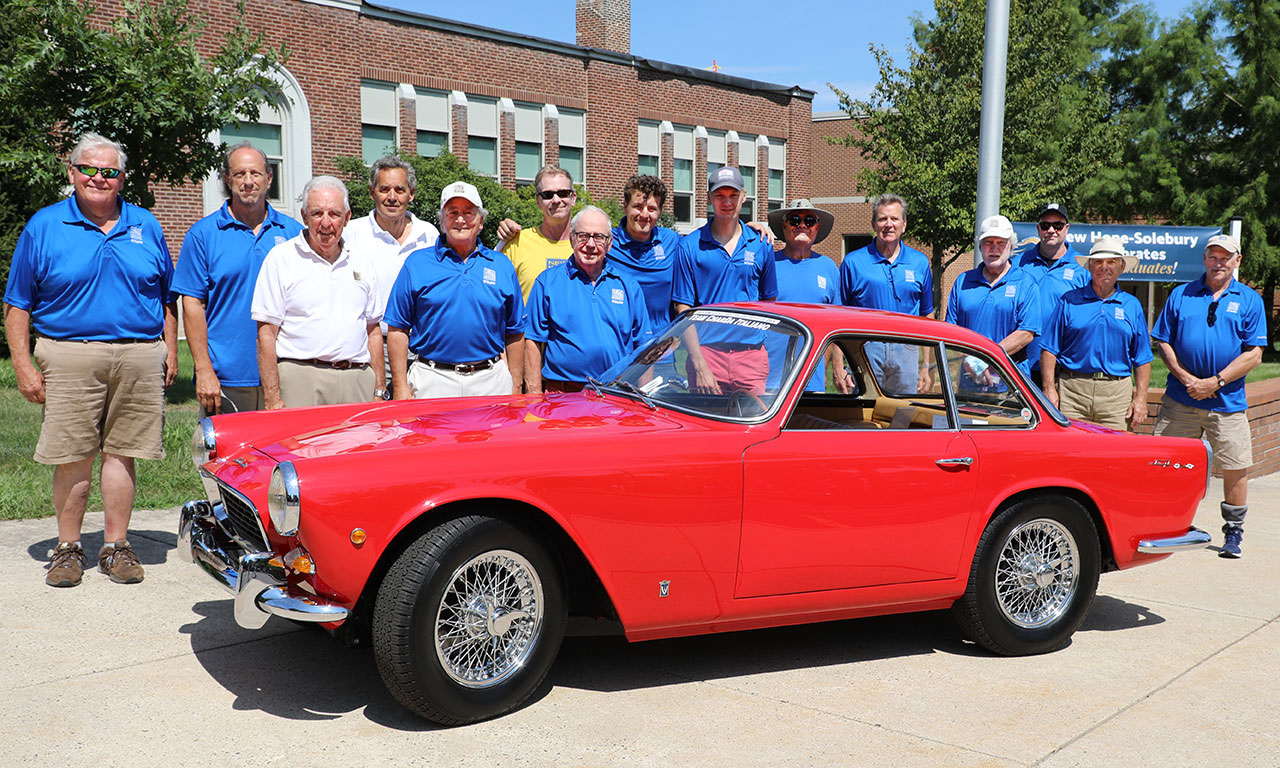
1194 538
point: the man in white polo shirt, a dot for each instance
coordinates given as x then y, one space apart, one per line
317 307
390 232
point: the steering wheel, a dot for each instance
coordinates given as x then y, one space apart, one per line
744 404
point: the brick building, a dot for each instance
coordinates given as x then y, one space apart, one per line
505 103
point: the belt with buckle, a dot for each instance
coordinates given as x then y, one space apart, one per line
1096 376
465 369
340 365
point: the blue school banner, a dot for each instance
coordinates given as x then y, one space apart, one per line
1165 254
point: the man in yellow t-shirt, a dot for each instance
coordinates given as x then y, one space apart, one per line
533 250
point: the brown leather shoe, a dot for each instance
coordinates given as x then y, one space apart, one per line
118 561
67 566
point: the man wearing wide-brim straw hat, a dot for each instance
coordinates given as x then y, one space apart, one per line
1095 356
803 274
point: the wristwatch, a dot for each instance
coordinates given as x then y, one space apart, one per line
1221 382
382 394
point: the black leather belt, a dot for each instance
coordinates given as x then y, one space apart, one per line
732 346
1096 376
462 368
341 365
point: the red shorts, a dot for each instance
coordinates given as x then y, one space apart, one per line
743 369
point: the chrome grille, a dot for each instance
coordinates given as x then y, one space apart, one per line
244 519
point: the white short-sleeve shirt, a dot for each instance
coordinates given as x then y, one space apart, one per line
364 236
324 310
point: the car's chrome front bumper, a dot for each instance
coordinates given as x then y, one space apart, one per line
256 579
1194 538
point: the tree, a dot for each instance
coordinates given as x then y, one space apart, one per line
920 125
142 81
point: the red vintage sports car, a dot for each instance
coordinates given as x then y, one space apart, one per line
756 465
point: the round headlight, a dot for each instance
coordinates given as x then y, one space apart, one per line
204 443
283 500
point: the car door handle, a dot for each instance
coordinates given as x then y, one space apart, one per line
961 461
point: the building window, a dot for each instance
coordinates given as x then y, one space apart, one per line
432 143
528 142
379 118
747 165
683 181
482 135
648 145
433 122
573 140
266 138
717 157
528 161
777 173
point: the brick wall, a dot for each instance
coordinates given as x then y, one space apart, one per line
331 47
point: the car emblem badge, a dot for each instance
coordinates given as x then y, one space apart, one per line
664 588
240 463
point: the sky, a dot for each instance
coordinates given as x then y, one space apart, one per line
808 43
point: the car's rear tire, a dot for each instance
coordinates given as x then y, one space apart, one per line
468 620
1034 576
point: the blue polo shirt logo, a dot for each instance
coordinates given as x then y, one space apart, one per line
1068 273
749 258
1010 291
135 235
618 295
658 253
490 277
1119 313
822 282
1233 307
910 275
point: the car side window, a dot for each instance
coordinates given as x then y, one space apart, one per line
985 397
876 383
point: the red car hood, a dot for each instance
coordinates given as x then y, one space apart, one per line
417 423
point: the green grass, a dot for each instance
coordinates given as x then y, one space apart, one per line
26 487
1269 368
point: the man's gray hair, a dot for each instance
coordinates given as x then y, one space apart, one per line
573 223
91 140
326 182
226 164
389 162
886 199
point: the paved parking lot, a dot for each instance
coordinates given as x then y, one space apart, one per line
1178 664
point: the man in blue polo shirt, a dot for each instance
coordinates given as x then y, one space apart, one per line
806 276
217 270
1051 263
582 315
644 251
1211 333
457 305
723 261
92 275
998 300
891 275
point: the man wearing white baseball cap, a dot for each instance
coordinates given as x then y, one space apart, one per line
998 300
1211 333
457 305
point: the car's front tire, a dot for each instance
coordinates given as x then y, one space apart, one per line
468 620
1034 576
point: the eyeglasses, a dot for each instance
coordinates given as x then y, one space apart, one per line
599 238
809 220
1212 317
93 170
1045 226
563 194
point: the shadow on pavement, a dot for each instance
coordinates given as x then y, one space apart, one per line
152 547
1110 614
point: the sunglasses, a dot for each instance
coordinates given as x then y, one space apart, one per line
1045 226
563 194
809 220
93 170
1212 317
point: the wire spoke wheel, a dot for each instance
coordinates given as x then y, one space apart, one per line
489 619
1037 573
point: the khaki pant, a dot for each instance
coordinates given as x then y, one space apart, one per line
237 399
307 384
101 397
1098 400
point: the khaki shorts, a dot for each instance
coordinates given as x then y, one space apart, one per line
1101 401
305 384
236 400
103 397
1228 433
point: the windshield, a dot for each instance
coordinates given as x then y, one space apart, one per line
717 362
